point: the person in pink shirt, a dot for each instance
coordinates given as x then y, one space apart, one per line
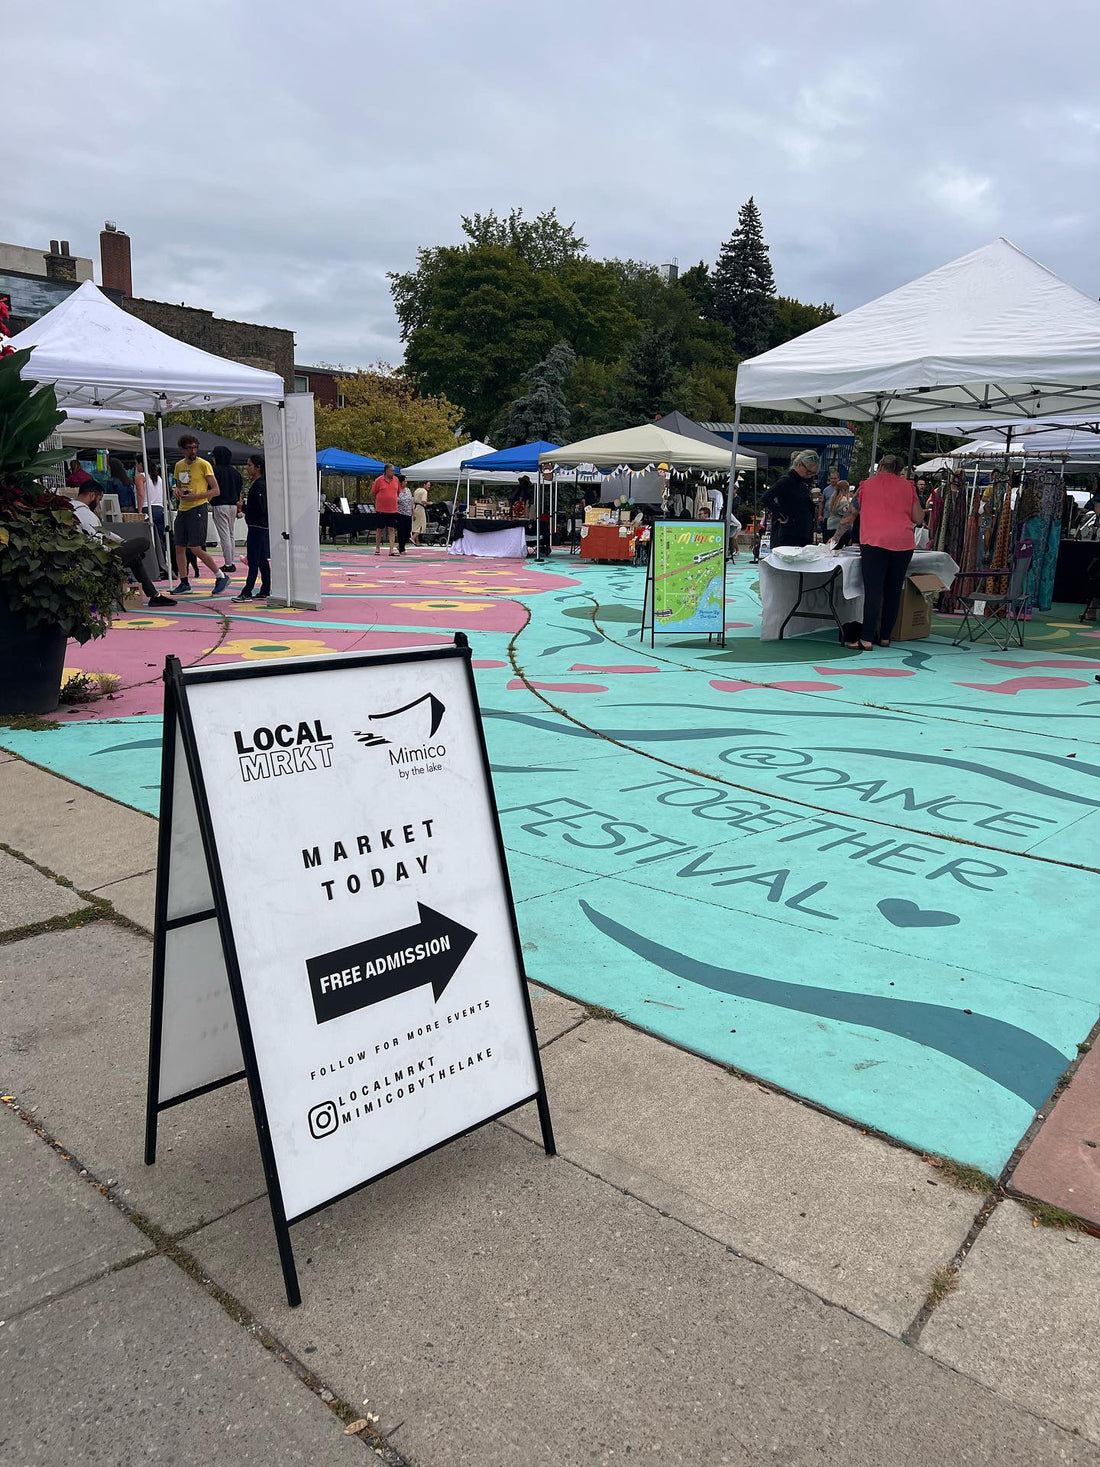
384 491
888 509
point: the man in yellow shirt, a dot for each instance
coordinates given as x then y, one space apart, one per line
196 486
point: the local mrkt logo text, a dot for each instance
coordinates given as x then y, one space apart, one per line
285 749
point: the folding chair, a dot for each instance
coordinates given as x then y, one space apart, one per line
1000 616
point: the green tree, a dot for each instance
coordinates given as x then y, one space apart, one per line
385 417
542 412
651 375
592 396
744 284
243 424
792 318
697 285
475 318
545 243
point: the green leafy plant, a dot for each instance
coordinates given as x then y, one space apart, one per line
51 572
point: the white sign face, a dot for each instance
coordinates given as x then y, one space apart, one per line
304 587
362 872
199 1043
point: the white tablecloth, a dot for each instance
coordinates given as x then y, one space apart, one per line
511 541
779 588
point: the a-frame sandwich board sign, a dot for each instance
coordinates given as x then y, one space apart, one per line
685 580
334 919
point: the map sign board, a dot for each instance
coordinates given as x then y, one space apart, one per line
334 919
686 579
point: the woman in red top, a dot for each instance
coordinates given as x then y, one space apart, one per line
888 510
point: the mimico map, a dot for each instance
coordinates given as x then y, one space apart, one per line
688 577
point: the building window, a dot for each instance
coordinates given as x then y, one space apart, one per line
301 384
341 400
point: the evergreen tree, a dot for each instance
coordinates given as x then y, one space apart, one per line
650 375
744 286
541 413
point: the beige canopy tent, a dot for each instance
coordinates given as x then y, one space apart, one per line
80 435
647 444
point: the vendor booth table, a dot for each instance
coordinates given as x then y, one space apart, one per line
505 539
607 542
827 591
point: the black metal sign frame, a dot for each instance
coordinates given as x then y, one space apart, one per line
177 717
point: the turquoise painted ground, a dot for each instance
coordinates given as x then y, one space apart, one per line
866 879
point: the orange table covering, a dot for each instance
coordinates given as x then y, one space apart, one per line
604 542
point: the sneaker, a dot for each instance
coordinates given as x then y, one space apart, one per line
246 596
182 588
162 601
227 568
220 585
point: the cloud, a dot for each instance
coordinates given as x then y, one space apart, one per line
273 162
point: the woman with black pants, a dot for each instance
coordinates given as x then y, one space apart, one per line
888 510
258 548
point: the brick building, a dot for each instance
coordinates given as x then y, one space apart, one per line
34 291
321 381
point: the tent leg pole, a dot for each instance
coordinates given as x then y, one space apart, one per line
286 504
733 472
874 448
169 527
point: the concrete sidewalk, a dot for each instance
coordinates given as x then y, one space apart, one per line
708 1272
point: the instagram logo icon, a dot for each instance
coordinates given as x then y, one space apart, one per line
323 1120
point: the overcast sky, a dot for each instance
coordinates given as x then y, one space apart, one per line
272 161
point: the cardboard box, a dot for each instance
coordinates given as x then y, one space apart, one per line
915 615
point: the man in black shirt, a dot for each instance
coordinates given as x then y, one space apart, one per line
790 503
225 504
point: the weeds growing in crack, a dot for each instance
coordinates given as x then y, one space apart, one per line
944 1281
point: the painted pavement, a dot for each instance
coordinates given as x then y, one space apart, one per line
867 879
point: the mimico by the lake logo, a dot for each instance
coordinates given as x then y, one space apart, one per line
287 748
412 746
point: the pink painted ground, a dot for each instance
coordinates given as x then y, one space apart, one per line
364 599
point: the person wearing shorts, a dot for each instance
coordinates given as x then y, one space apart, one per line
384 492
196 486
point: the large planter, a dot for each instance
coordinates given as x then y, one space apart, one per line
32 660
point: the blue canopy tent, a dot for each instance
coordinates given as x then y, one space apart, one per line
352 465
523 459
336 461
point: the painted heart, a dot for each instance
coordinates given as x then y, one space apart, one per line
903 913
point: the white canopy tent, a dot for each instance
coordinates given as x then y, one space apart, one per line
647 444
993 335
446 468
1071 451
96 355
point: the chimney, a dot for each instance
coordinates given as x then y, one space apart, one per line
60 265
114 259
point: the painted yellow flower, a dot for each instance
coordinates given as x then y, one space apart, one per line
443 605
260 649
142 623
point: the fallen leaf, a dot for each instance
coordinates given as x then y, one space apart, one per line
356 1427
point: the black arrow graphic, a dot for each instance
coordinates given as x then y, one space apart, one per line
365 973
